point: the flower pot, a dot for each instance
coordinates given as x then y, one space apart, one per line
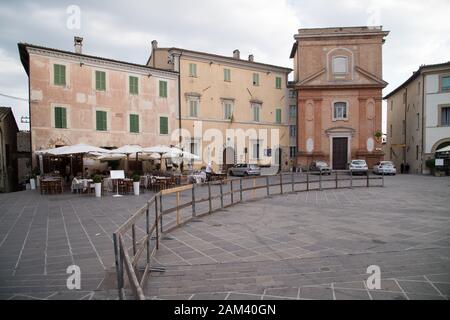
38 184
136 188
33 184
98 189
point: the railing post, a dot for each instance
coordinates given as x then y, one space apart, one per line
147 224
307 180
161 213
320 180
133 237
194 214
351 179
382 179
156 223
281 182
232 192
367 173
267 186
254 188
293 182
240 189
221 195
209 197
178 210
119 265
336 179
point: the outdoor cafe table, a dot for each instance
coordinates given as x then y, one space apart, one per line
51 185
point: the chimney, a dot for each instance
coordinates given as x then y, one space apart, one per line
251 58
236 54
154 44
78 44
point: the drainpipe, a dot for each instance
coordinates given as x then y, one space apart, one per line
423 125
405 130
179 98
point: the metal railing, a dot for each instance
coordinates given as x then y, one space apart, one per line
172 208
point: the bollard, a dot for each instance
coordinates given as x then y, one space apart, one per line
240 189
194 214
267 185
320 180
281 183
209 198
292 181
367 174
351 180
307 180
156 223
336 179
221 196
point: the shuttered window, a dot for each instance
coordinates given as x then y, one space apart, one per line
256 109
278 115
101 122
193 108
256 79
134 123
228 110
59 74
134 85
60 117
278 82
100 80
163 89
163 125
226 75
192 70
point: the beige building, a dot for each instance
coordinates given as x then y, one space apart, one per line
338 78
220 94
79 98
418 117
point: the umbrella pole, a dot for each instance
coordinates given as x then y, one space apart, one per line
137 159
128 164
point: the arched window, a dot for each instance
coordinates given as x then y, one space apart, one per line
340 111
340 65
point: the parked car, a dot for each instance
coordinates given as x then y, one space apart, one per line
244 169
384 167
320 167
358 167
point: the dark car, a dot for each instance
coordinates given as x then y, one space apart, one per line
320 167
244 169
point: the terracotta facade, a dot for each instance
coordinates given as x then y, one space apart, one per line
338 77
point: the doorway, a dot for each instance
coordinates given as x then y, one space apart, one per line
340 153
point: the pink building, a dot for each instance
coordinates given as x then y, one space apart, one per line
78 98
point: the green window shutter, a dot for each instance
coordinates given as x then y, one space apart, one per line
163 125
134 123
278 82
226 74
134 85
60 117
192 69
63 118
193 108
101 120
278 115
163 89
59 74
100 80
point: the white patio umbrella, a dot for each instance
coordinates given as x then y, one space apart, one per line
75 149
161 150
444 149
128 150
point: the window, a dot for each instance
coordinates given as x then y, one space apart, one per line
59 74
195 148
226 75
445 83
101 120
293 131
134 123
134 85
256 79
162 89
255 150
100 80
293 111
256 108
193 108
292 94
278 82
60 117
278 115
163 125
192 70
340 111
292 152
445 116
227 110
340 65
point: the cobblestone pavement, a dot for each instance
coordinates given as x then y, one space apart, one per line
310 245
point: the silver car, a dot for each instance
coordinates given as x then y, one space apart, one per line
244 169
358 166
384 167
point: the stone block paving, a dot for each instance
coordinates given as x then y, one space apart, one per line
309 245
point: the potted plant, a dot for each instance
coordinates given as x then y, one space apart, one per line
430 164
32 181
36 174
98 185
378 136
136 181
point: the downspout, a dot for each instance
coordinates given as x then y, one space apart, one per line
423 124
405 129
180 138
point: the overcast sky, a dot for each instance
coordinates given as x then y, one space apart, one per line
419 31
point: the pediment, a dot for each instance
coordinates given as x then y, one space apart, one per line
340 130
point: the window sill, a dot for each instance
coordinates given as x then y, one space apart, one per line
343 119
